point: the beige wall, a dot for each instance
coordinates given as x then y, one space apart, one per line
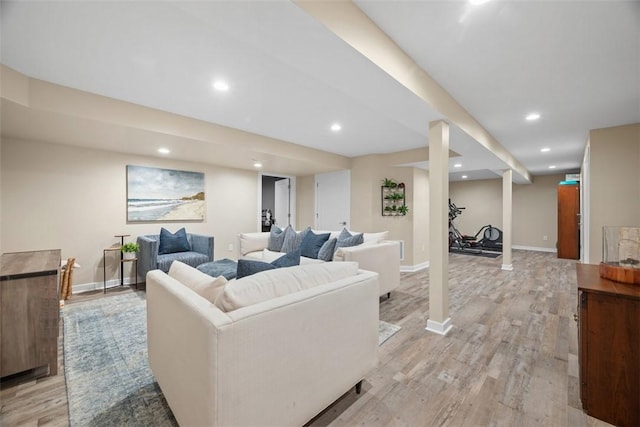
614 182
535 212
534 209
305 201
367 173
58 196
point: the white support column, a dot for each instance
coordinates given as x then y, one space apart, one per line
507 218
439 320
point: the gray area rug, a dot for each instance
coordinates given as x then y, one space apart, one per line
109 381
386 331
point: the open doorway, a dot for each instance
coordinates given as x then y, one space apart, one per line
278 201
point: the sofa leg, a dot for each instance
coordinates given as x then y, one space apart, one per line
388 295
359 387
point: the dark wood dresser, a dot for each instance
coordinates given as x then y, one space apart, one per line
30 311
609 347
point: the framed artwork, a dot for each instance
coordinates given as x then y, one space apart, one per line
155 194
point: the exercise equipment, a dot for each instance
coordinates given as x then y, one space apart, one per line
487 240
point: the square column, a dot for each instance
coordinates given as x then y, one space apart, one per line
507 218
439 321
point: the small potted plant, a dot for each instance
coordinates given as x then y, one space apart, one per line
403 209
389 183
129 250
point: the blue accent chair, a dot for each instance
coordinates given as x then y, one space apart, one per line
148 258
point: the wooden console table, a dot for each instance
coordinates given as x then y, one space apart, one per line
30 311
609 347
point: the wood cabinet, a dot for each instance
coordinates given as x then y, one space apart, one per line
30 311
569 221
609 347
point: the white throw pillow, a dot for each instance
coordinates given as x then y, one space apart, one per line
204 285
375 237
271 284
252 242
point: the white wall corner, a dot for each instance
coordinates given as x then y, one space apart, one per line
439 328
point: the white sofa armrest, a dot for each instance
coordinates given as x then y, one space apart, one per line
383 258
182 340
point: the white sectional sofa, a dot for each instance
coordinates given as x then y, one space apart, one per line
375 254
275 362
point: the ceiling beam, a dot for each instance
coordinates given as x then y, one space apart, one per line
347 21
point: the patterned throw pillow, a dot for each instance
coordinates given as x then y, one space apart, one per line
170 243
293 240
346 239
326 251
276 239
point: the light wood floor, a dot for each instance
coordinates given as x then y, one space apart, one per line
510 359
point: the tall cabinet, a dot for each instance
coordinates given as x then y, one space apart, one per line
569 221
30 311
609 347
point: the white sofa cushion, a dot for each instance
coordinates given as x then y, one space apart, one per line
204 285
375 237
252 242
271 284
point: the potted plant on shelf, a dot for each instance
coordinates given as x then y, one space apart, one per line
389 183
403 209
129 250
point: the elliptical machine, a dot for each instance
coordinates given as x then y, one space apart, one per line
491 240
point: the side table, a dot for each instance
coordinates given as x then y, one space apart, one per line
122 261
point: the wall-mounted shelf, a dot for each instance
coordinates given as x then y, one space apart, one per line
393 200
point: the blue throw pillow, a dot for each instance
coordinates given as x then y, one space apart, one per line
173 242
247 267
312 243
328 248
293 240
276 239
346 239
288 260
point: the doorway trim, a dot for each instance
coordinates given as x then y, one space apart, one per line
292 194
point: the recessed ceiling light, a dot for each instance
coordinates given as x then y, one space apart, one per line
464 177
164 150
532 117
336 127
457 165
552 167
257 164
545 149
221 86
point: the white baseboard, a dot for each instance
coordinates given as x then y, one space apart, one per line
439 328
534 248
95 286
414 268
507 267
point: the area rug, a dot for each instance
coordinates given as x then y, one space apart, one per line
109 381
386 330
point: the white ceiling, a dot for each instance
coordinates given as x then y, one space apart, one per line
575 62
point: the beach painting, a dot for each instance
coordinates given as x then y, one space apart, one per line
155 194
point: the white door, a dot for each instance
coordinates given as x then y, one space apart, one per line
284 212
333 200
